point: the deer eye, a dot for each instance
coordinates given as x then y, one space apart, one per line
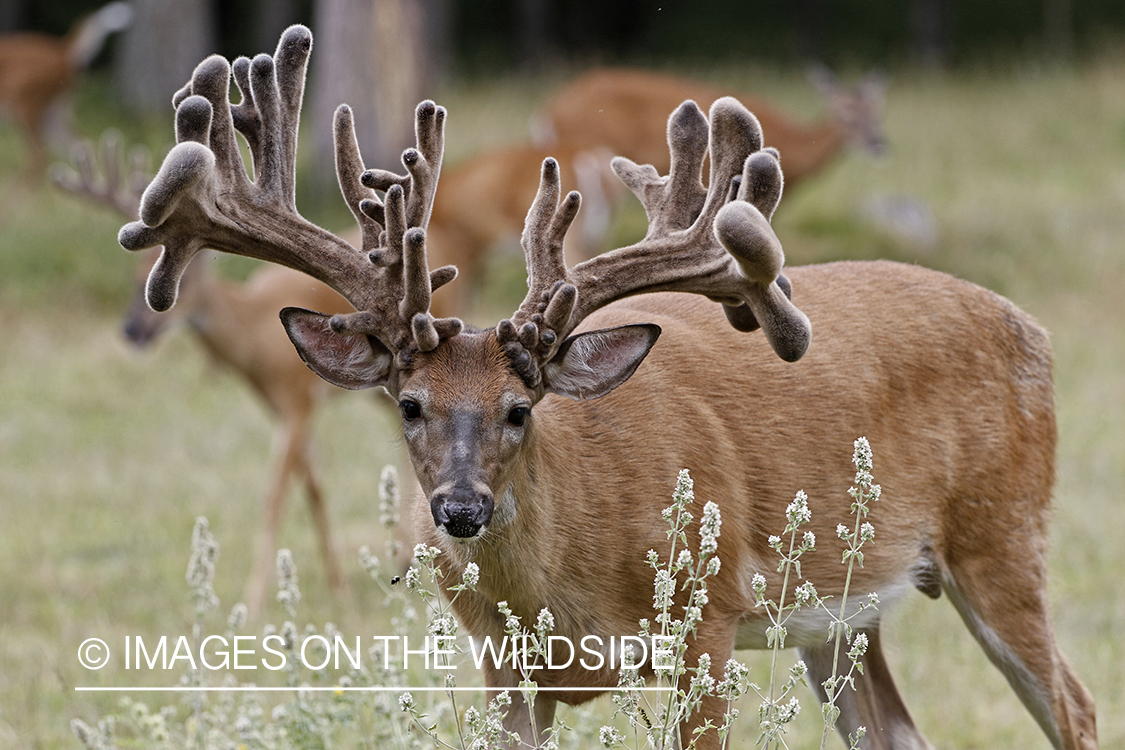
518 415
411 410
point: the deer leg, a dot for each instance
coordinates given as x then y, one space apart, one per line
285 450
716 639
1002 599
530 721
874 704
319 513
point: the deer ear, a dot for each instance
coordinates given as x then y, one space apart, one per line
352 362
591 364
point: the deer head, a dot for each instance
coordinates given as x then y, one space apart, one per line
466 396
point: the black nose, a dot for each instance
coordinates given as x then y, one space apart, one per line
462 512
136 334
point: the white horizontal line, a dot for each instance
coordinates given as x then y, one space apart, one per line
361 689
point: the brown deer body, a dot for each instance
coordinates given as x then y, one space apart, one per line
37 70
623 109
237 324
966 483
557 499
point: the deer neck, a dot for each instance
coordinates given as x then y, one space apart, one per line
219 314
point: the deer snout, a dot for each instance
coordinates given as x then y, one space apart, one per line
462 510
137 333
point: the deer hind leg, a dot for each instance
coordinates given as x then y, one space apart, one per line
1002 599
319 512
286 443
272 508
874 704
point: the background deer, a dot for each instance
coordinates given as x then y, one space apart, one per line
624 110
38 70
484 201
546 446
237 325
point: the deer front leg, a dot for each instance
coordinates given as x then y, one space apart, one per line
716 639
529 718
875 702
530 721
285 450
319 513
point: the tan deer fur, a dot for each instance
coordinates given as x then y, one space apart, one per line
547 446
37 70
966 474
623 109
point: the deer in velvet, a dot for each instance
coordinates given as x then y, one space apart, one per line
623 109
546 445
38 70
236 323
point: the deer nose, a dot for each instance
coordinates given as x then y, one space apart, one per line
137 334
462 511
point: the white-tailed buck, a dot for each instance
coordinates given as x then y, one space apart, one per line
237 325
546 448
624 110
37 70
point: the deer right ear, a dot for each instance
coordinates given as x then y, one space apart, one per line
352 362
591 364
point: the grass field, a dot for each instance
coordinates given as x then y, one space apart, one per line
107 455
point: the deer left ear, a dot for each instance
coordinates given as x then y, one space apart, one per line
352 362
591 364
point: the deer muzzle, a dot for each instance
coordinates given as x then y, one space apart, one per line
462 511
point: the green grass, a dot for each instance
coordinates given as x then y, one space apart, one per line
107 455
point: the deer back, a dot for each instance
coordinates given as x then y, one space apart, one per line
623 109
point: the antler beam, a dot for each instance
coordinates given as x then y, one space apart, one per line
202 197
714 241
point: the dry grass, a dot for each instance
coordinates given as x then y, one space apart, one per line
106 456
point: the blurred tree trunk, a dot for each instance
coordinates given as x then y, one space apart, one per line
373 56
271 18
533 29
928 30
1058 28
811 20
158 52
11 15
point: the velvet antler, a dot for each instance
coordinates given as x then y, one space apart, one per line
714 241
203 197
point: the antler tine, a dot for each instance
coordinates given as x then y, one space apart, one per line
101 175
729 253
715 241
673 202
202 197
423 165
394 233
530 336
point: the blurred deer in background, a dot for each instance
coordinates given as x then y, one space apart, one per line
484 201
547 445
237 324
624 110
38 70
